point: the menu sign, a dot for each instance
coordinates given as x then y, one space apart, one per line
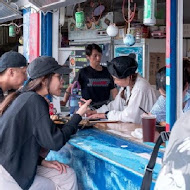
157 61
78 58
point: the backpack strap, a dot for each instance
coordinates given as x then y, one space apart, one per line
147 179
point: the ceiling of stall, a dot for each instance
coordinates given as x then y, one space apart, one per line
8 12
45 5
116 4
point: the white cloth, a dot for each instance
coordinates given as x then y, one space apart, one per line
175 172
142 95
46 179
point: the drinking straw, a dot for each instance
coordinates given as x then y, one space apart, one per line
143 110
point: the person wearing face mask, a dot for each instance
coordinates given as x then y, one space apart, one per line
135 92
26 128
186 100
175 171
12 72
159 108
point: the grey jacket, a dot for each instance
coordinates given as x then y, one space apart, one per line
175 172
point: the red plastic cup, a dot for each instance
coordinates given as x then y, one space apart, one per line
148 127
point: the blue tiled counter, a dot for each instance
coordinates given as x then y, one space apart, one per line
105 161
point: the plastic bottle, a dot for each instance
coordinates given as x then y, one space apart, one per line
74 98
74 102
149 12
79 17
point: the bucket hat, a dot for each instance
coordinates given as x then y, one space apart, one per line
122 67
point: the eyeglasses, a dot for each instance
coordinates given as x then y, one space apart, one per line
61 77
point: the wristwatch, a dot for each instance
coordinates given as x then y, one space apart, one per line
106 114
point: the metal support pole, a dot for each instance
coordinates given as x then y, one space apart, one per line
112 48
171 43
46 34
34 36
179 58
26 29
56 35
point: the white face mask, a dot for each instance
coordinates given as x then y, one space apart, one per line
187 96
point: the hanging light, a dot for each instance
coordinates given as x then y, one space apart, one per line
112 30
79 17
129 39
21 40
12 31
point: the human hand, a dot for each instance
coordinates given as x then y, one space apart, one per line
163 123
90 112
56 165
63 103
97 116
83 106
54 117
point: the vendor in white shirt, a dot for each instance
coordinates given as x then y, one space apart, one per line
135 92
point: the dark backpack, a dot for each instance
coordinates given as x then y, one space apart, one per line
147 179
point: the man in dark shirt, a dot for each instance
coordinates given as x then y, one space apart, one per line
95 80
12 72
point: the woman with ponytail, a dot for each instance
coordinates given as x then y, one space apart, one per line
135 92
26 127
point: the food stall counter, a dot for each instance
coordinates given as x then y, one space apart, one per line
110 156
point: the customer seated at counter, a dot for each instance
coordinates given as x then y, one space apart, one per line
186 68
159 108
135 92
26 127
12 72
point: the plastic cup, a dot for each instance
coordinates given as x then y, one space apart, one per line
148 127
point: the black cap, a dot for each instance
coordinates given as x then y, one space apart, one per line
122 67
44 65
12 59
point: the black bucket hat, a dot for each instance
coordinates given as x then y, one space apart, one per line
122 67
12 59
44 65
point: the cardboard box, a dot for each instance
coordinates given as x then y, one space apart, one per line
157 61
